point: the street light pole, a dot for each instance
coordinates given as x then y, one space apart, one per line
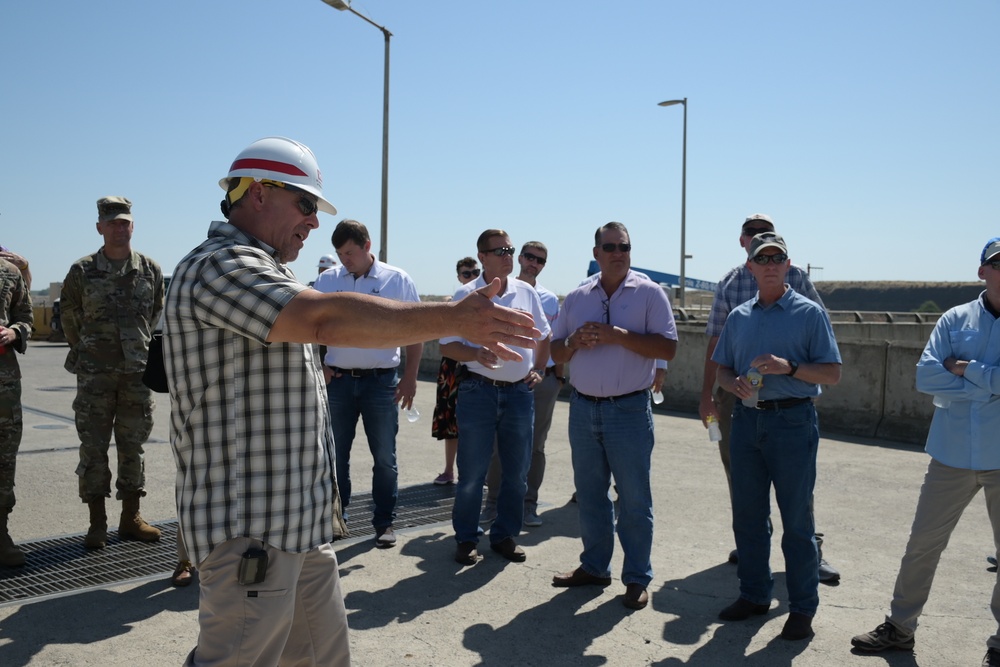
684 159
383 252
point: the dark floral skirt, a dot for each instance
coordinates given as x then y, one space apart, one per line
443 425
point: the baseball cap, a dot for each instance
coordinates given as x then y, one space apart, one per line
991 250
114 208
766 240
763 217
326 262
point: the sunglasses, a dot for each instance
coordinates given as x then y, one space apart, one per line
779 258
531 257
305 204
474 273
754 231
501 251
620 247
993 264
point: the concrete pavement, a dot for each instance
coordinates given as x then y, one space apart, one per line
413 605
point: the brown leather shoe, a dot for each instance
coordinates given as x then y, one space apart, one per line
579 577
466 553
508 549
636 596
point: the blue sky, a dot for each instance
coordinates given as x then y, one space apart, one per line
868 130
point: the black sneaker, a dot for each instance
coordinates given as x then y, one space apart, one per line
884 637
992 658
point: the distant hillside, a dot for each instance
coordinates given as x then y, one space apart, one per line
894 296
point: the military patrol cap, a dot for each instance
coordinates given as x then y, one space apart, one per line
114 208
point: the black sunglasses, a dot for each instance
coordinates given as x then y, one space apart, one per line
754 231
502 250
993 264
620 247
305 204
474 273
778 258
531 257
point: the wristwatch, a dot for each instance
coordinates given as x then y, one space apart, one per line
795 368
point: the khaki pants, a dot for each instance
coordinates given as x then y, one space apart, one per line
945 494
296 616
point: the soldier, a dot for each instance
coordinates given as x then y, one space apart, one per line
111 302
15 326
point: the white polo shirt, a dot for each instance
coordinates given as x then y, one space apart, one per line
519 295
381 280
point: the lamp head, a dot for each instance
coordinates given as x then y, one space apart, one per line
342 5
668 103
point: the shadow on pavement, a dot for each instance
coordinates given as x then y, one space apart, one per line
88 617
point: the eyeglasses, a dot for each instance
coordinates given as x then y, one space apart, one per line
474 273
531 257
501 251
778 258
305 204
993 264
754 231
620 247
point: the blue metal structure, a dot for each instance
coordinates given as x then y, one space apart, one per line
669 279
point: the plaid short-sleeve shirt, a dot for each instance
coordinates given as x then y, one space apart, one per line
249 419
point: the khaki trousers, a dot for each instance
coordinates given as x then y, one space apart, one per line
296 616
945 494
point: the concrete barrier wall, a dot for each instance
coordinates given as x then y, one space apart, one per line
876 396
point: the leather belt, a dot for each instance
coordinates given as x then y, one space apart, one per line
601 399
495 383
362 372
782 403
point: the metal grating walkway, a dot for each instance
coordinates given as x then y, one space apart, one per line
62 566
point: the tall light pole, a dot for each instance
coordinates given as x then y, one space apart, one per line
684 162
383 251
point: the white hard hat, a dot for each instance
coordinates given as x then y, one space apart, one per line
327 261
280 160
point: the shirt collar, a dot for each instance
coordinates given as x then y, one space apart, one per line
225 230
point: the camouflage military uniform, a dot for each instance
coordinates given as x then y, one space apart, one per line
15 313
109 311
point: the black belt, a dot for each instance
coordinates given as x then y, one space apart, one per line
550 370
782 403
362 372
495 383
601 399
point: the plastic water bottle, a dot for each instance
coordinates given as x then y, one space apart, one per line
657 397
412 414
714 432
756 381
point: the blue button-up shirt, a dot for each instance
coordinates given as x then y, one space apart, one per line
964 432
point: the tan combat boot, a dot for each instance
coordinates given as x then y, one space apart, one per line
10 555
132 525
97 536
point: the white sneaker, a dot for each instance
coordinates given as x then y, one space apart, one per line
531 518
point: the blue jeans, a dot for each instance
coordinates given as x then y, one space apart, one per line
614 438
775 447
485 413
373 399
